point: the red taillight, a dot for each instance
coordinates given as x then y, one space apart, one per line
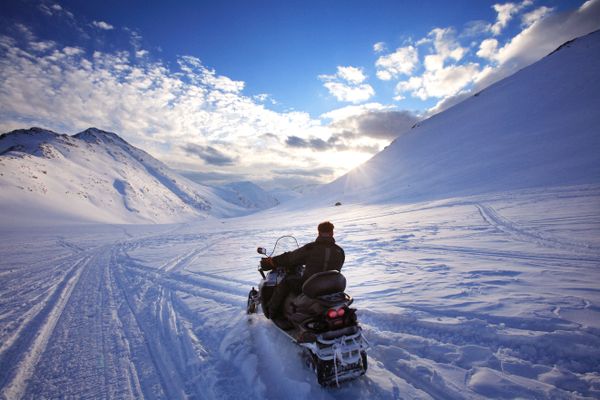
335 313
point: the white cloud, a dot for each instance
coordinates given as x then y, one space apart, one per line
379 47
262 97
42 46
347 85
45 9
413 84
475 29
423 41
350 111
446 46
384 75
438 79
25 32
439 83
352 94
505 13
72 51
433 62
103 25
401 62
351 75
536 15
55 10
488 49
442 76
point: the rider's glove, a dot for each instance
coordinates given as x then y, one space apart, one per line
267 263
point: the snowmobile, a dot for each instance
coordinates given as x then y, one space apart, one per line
319 319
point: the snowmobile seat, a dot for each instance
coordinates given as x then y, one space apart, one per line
324 283
319 292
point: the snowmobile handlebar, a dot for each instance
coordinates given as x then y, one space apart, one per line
266 264
263 251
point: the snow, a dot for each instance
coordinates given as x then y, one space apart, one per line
454 304
96 176
248 195
485 287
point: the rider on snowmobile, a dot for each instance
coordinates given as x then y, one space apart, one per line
321 255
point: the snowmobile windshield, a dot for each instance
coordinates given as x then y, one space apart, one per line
283 244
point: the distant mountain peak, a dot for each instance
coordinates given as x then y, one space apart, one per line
30 131
34 141
98 135
34 130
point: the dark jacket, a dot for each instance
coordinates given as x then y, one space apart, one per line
321 255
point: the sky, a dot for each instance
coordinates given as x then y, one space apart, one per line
281 93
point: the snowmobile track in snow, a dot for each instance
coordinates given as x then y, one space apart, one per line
448 296
26 351
512 229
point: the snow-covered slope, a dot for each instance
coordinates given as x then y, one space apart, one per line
247 195
287 194
537 128
95 176
282 195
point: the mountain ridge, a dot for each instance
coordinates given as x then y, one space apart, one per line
99 177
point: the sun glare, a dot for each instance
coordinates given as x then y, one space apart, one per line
346 161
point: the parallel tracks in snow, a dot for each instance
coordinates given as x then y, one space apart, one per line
173 350
129 330
20 359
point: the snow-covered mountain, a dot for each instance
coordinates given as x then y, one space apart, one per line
286 194
537 128
95 176
283 195
247 195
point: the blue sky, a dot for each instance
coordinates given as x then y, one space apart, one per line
277 92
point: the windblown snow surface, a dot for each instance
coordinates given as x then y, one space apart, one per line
480 294
466 298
